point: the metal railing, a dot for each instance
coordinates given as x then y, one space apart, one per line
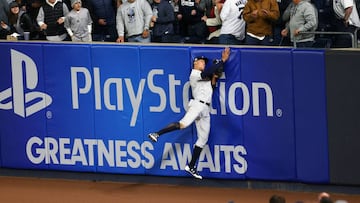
352 35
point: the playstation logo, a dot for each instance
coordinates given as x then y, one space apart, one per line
21 97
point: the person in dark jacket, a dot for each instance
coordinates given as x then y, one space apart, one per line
32 9
103 14
4 11
51 19
193 29
19 21
162 21
280 24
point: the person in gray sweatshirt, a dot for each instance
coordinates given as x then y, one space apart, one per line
133 20
303 18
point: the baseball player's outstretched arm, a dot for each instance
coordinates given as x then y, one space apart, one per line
225 54
218 70
217 64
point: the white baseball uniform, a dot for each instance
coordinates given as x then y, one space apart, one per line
199 107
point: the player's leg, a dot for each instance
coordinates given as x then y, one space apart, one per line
191 167
188 118
169 128
203 130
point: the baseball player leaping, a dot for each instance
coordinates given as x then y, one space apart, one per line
202 82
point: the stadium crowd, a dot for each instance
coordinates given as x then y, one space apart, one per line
228 22
323 197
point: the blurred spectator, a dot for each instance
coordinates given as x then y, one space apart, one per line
214 22
324 197
103 14
176 7
286 15
19 21
260 16
277 199
325 13
51 19
192 28
32 9
206 6
325 200
4 12
303 17
323 194
78 23
325 16
346 20
341 201
133 20
233 25
162 21
279 25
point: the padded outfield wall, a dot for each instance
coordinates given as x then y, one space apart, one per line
89 107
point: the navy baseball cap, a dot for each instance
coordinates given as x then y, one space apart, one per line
201 58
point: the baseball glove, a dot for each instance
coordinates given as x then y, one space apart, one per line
219 71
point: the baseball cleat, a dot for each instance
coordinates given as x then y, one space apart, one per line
193 172
153 137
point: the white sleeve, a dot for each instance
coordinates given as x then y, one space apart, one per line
214 21
69 32
225 10
348 3
147 14
119 23
89 28
40 18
